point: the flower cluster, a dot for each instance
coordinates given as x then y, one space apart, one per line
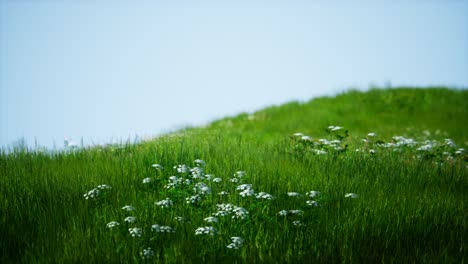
207 230
147 253
96 192
162 229
236 243
166 203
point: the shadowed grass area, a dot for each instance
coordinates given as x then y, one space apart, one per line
411 204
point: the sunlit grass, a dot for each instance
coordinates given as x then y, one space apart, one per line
317 182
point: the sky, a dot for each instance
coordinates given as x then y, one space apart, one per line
103 71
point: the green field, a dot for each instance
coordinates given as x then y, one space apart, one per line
396 196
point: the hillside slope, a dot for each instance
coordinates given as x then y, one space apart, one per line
377 176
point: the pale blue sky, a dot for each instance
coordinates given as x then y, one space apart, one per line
116 69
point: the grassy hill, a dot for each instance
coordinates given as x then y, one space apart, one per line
388 185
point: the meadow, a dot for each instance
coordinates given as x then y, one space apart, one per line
360 177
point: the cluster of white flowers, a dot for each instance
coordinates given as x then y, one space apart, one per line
211 219
162 229
200 163
240 213
264 195
207 230
313 194
351 195
227 209
247 192
285 212
294 194
130 219
296 211
236 243
217 180
298 223
193 199
181 168
112 224
312 203
237 177
197 173
95 192
201 188
146 180
157 166
334 128
128 208
147 253
135 232
244 187
179 219
166 203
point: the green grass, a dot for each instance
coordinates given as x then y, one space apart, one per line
411 205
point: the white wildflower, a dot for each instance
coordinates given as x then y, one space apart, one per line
197 173
91 194
217 180
293 194
223 193
130 219
173 179
182 169
104 187
157 166
112 224
312 203
306 138
236 243
167 229
207 230
146 180
166 203
372 151
298 134
351 195
247 192
449 142
128 208
179 219
211 219
283 213
234 180
240 213
135 232
162 229
239 174
264 195
147 253
298 223
372 134
244 187
200 163
193 199
335 128
201 188
297 211
313 194
319 151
